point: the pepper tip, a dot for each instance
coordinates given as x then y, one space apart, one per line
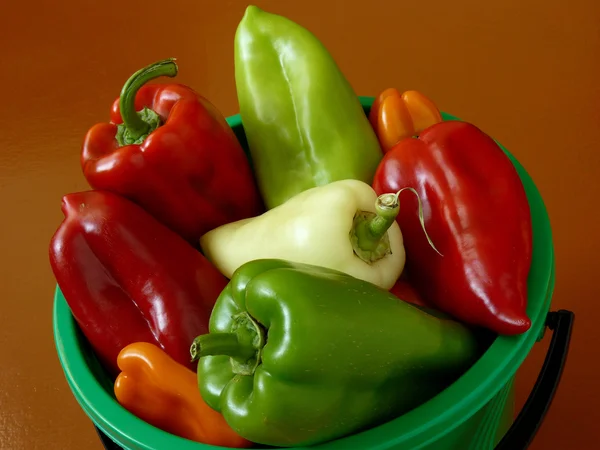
251 10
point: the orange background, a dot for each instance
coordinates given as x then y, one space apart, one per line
525 72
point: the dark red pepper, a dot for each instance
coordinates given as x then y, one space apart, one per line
128 278
477 215
404 290
176 156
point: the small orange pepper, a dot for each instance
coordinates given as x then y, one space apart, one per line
164 393
395 116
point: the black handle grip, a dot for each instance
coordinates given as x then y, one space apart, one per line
525 427
107 443
523 430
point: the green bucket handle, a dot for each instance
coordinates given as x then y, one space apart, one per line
525 427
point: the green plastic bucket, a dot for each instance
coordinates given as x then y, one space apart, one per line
474 413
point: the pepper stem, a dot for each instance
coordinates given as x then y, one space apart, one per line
221 344
369 237
387 208
134 124
421 216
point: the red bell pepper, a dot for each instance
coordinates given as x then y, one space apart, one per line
177 157
476 214
128 278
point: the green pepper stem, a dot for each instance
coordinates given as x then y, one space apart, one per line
387 208
136 127
220 344
370 229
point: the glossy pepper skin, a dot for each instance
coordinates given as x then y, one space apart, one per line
304 123
477 214
300 354
128 278
396 116
186 167
404 290
340 226
162 392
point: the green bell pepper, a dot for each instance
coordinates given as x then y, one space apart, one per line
298 354
303 121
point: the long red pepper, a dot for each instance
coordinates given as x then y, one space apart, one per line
477 215
128 278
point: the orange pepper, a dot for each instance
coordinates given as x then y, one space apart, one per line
395 116
164 393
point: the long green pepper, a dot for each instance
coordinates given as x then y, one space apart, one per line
303 121
299 354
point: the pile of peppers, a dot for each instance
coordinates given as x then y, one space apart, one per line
342 272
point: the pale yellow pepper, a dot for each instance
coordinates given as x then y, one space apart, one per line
342 226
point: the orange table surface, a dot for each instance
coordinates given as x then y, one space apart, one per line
525 72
